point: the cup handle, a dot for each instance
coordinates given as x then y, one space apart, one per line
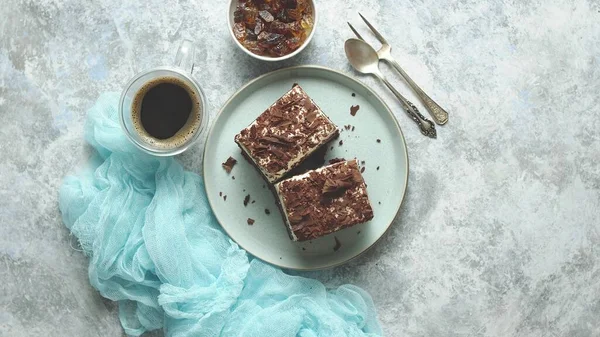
185 56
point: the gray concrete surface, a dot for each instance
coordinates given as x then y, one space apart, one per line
499 234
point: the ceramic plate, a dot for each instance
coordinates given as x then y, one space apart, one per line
385 163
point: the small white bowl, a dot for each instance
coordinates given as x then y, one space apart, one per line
232 7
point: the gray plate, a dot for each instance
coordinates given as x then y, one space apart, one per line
267 239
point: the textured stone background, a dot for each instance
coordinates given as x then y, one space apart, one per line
499 233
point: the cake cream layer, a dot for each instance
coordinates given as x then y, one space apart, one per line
285 134
324 200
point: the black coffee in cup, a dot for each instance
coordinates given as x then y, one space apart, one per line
166 112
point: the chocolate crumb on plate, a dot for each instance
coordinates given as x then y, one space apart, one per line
228 164
250 221
362 162
357 233
224 198
220 194
362 170
354 109
233 177
353 95
379 202
378 140
267 212
303 248
341 142
377 168
264 186
352 128
253 201
338 244
332 148
246 200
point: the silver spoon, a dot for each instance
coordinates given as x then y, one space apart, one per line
364 59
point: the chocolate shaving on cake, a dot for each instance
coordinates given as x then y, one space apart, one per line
284 122
332 186
277 113
307 103
336 160
259 149
279 154
228 164
274 140
295 218
311 116
357 177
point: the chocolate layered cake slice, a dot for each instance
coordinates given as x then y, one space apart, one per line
285 134
324 200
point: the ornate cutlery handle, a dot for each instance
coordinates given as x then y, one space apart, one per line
437 112
426 126
427 132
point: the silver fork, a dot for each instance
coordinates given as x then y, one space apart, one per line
385 53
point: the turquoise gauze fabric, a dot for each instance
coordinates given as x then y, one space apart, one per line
155 247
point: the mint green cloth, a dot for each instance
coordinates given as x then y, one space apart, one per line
156 248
